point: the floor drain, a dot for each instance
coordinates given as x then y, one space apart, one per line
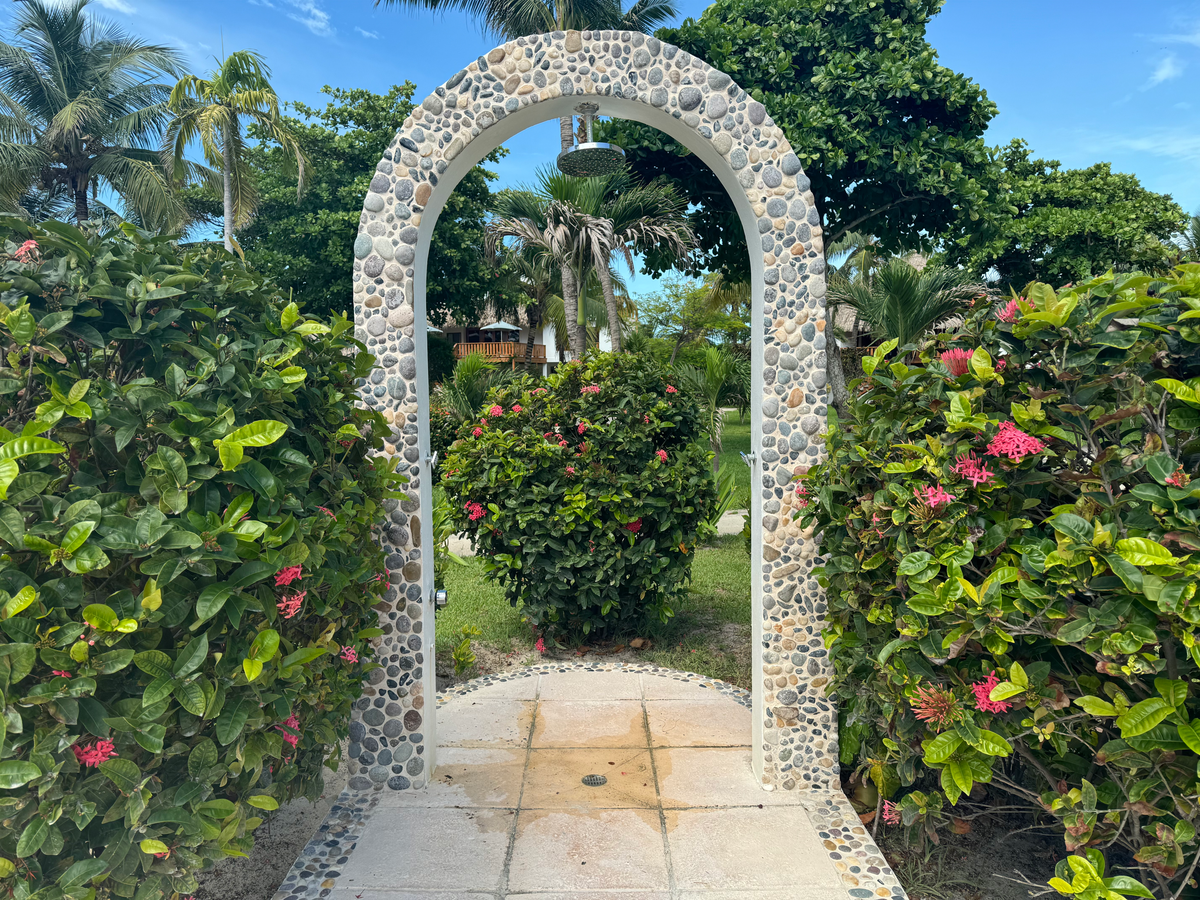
594 780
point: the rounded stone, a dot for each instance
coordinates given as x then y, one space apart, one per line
757 112
399 783
716 107
772 177
415 766
790 164
723 142
408 235
373 717
405 255
641 58
380 183
738 159
659 96
433 104
718 80
689 98
373 267
403 190
412 720
362 245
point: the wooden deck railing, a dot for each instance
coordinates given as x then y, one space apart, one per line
501 351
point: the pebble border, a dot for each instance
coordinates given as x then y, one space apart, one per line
862 867
798 722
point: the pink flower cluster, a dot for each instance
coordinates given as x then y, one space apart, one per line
802 497
937 706
538 391
1014 443
475 511
582 427
1001 365
972 469
327 512
983 696
517 408
61 674
477 432
1179 478
935 497
540 646
634 526
957 361
286 576
570 470
671 389
590 389
1011 310
891 813
349 654
495 411
292 722
27 252
289 606
94 753
661 454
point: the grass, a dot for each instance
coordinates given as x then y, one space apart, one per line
734 442
709 634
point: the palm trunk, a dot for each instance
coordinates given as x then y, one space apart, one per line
227 153
534 320
571 307
836 376
610 304
566 132
579 338
81 205
675 350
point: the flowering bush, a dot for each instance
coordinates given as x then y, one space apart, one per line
585 493
1010 556
188 570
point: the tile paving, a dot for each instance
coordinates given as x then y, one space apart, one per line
507 815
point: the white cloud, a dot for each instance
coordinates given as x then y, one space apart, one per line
1188 34
1169 143
367 34
267 3
1168 69
311 16
117 6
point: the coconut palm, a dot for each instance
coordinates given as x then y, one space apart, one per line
82 108
463 393
212 110
1191 240
509 19
723 381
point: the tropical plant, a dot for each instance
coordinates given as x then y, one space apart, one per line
585 493
724 380
188 492
1010 529
82 109
443 531
211 110
903 302
465 390
1190 240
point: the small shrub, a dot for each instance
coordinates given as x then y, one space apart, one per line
186 503
586 493
1010 533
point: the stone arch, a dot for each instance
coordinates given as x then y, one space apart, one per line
631 76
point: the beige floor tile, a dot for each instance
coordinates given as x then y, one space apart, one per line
525 688
804 892
712 776
603 849
748 849
590 723
590 895
465 722
360 894
591 686
659 687
424 850
554 779
469 776
698 723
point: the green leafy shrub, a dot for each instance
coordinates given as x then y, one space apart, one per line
1010 536
186 590
586 493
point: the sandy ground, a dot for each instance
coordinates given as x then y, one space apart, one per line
277 843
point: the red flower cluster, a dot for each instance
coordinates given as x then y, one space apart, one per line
935 497
349 654
517 408
972 469
582 427
590 389
671 389
475 511
292 722
1011 310
477 432
61 674
937 706
661 454
802 497
570 470
1014 443
983 696
289 606
634 526
495 411
286 575
1001 365
1179 478
327 512
957 361
27 252
540 646
891 813
94 753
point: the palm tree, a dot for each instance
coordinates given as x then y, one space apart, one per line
899 301
211 110
723 381
1191 240
509 19
860 258
463 392
81 109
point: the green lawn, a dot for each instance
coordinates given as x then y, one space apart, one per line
709 635
734 442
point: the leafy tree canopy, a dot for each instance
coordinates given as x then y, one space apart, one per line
891 140
1070 224
307 245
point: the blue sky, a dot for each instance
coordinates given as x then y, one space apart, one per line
1081 80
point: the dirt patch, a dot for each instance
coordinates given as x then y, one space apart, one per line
277 843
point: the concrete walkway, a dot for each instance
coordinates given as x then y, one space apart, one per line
508 813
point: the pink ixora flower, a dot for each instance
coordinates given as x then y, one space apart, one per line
327 512
495 411
937 706
891 813
27 252
972 469
61 674
477 432
475 511
983 696
635 526
538 391
802 497
570 470
582 427
590 389
286 576
1011 310
292 722
517 408
562 443
935 497
957 361
1012 442
540 646
671 389
289 606
1178 478
1001 364
94 753
661 454
349 654
645 420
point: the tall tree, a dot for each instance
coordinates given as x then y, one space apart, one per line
82 108
1068 224
891 141
509 19
306 245
213 110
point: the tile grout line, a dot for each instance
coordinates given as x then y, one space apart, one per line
502 890
662 816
